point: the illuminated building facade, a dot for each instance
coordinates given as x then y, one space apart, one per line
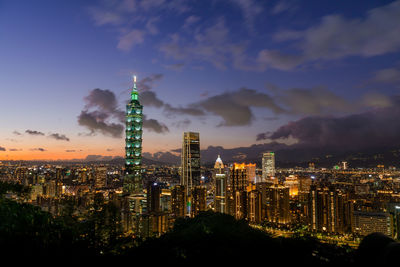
238 177
268 165
133 144
278 206
198 203
100 177
190 164
330 210
178 198
220 180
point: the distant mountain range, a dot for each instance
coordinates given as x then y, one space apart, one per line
285 156
290 155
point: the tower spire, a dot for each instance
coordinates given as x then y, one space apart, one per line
134 82
134 93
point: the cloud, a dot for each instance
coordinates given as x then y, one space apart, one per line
96 121
57 136
175 67
70 150
389 75
190 110
190 21
135 20
210 44
182 124
14 149
235 107
338 37
377 128
17 133
32 132
105 107
103 99
2 148
102 17
147 83
38 149
154 125
282 6
250 9
130 39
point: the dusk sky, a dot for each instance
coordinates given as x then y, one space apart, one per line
240 72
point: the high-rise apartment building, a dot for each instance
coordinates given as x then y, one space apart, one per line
199 202
268 165
133 143
278 206
178 199
329 210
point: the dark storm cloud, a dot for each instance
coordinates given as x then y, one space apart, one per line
32 132
102 99
235 107
149 99
2 148
154 125
96 121
58 136
377 128
105 108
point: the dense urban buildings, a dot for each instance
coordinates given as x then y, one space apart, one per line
337 204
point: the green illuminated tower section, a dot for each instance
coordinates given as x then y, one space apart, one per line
133 144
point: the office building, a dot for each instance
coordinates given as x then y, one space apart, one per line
268 165
133 143
220 180
190 164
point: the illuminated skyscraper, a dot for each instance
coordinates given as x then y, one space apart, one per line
220 186
100 177
190 163
278 209
268 165
133 143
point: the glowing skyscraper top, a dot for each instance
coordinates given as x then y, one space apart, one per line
133 143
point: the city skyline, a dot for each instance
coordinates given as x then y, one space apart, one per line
239 72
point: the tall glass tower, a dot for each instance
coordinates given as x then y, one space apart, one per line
133 144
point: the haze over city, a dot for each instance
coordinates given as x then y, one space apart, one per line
241 73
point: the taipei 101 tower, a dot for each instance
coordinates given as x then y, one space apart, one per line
133 144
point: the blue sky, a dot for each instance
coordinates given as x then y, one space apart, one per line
275 61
